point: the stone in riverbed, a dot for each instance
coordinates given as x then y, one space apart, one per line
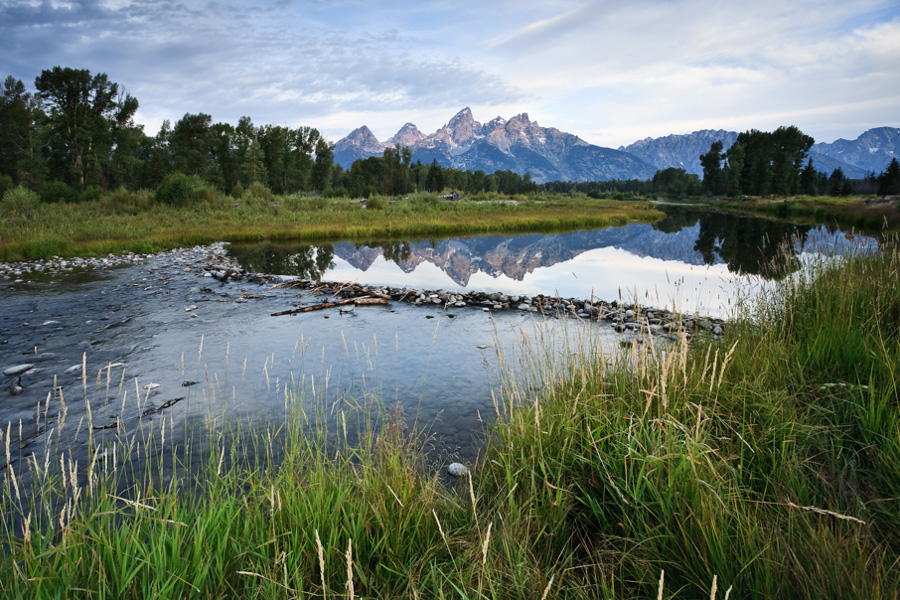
457 469
17 369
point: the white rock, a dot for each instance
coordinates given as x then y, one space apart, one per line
17 369
457 469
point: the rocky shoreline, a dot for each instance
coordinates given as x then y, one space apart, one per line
213 262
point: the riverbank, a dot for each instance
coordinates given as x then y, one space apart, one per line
767 465
121 221
870 214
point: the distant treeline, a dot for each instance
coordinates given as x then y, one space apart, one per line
74 137
762 163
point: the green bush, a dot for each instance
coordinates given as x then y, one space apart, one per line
58 191
19 202
176 189
237 191
259 190
90 193
376 203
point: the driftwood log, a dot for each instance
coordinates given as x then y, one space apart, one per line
363 301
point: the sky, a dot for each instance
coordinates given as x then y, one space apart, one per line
611 72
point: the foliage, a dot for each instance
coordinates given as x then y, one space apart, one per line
676 182
86 115
58 191
177 189
889 180
19 204
759 163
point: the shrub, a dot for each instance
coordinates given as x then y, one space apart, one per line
376 203
19 202
176 189
259 190
90 193
58 191
237 191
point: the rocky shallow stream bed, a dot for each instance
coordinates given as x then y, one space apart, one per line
213 262
132 316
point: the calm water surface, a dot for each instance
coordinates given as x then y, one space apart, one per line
227 360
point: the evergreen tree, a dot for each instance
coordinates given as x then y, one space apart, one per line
836 182
434 181
889 180
808 179
713 176
191 144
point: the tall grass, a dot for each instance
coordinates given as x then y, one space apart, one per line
770 463
765 466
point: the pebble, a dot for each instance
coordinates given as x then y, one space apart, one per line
457 469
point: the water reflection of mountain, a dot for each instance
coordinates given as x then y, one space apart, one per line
746 244
516 256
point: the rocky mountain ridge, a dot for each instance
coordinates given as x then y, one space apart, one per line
518 144
548 154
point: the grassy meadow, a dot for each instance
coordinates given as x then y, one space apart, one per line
123 221
765 466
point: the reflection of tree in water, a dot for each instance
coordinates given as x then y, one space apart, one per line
747 245
306 262
397 252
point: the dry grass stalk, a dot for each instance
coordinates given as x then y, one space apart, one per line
484 548
321 561
349 556
547 589
823 511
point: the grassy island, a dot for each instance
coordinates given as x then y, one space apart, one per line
124 221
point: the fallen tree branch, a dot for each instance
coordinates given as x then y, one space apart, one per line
361 301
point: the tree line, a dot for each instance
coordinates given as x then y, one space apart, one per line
762 163
76 135
393 173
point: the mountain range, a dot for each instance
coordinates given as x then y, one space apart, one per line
548 154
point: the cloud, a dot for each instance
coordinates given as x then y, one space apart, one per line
608 71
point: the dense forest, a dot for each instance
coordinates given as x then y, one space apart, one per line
75 136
